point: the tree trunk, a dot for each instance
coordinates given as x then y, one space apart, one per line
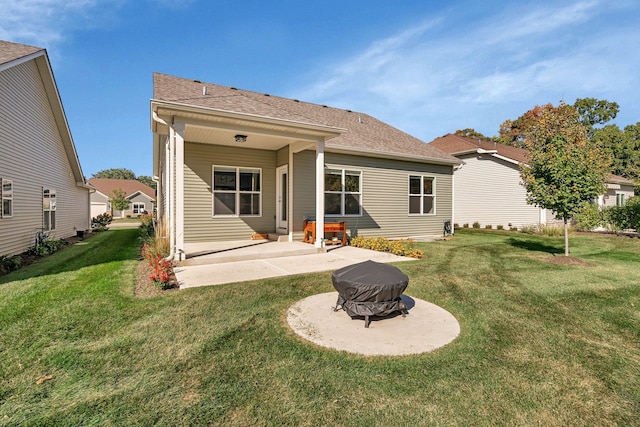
566 237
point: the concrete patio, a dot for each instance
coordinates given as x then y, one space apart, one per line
229 262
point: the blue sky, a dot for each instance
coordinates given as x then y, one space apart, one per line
426 67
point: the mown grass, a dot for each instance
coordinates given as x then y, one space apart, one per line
541 344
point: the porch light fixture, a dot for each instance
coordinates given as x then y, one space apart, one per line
241 138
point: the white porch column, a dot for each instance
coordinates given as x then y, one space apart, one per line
319 194
170 189
290 219
179 191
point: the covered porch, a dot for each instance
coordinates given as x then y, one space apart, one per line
194 147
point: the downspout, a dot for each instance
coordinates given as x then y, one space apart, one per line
169 169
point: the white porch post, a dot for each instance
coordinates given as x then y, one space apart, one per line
319 194
170 190
179 190
290 219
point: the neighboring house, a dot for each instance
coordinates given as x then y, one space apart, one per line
488 188
43 188
619 189
231 162
141 197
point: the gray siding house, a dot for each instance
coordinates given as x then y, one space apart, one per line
489 189
230 163
141 197
43 187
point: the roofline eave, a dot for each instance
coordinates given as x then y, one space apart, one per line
325 131
389 155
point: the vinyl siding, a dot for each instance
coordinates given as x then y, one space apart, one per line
385 198
200 225
33 156
488 190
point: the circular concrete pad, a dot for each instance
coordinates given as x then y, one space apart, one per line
426 327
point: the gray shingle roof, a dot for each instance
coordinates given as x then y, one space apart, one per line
364 132
10 51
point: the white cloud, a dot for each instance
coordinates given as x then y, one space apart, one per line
430 80
42 22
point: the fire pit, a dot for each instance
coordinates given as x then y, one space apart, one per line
370 289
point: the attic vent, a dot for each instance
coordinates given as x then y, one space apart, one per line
295 100
266 94
197 81
348 111
233 88
325 106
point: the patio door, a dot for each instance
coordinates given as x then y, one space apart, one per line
282 199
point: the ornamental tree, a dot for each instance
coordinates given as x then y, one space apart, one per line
118 199
566 169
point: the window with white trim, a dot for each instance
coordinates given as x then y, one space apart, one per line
237 191
6 195
49 209
137 208
342 192
422 195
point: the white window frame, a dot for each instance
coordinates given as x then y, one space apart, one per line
620 199
422 195
236 192
49 209
140 208
343 191
6 197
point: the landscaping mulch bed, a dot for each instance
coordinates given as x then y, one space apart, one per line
145 288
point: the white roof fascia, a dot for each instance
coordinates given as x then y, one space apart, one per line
389 155
329 131
21 60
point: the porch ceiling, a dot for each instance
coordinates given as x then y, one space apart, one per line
220 128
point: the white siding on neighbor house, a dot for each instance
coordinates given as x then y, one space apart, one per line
199 223
488 190
33 156
99 204
385 195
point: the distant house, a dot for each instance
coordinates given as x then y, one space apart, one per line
619 190
141 197
488 188
42 185
232 162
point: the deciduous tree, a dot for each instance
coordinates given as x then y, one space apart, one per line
118 199
118 173
566 169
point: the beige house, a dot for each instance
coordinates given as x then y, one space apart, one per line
141 197
488 188
230 163
619 190
43 188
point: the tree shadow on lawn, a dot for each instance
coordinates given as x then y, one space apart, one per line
534 246
113 245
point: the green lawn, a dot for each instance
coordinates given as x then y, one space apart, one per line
541 343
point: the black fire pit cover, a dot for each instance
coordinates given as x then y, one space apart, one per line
370 289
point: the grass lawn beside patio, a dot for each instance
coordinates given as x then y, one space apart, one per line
541 343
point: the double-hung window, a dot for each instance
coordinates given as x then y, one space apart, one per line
137 208
237 191
342 192
6 193
422 195
49 209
